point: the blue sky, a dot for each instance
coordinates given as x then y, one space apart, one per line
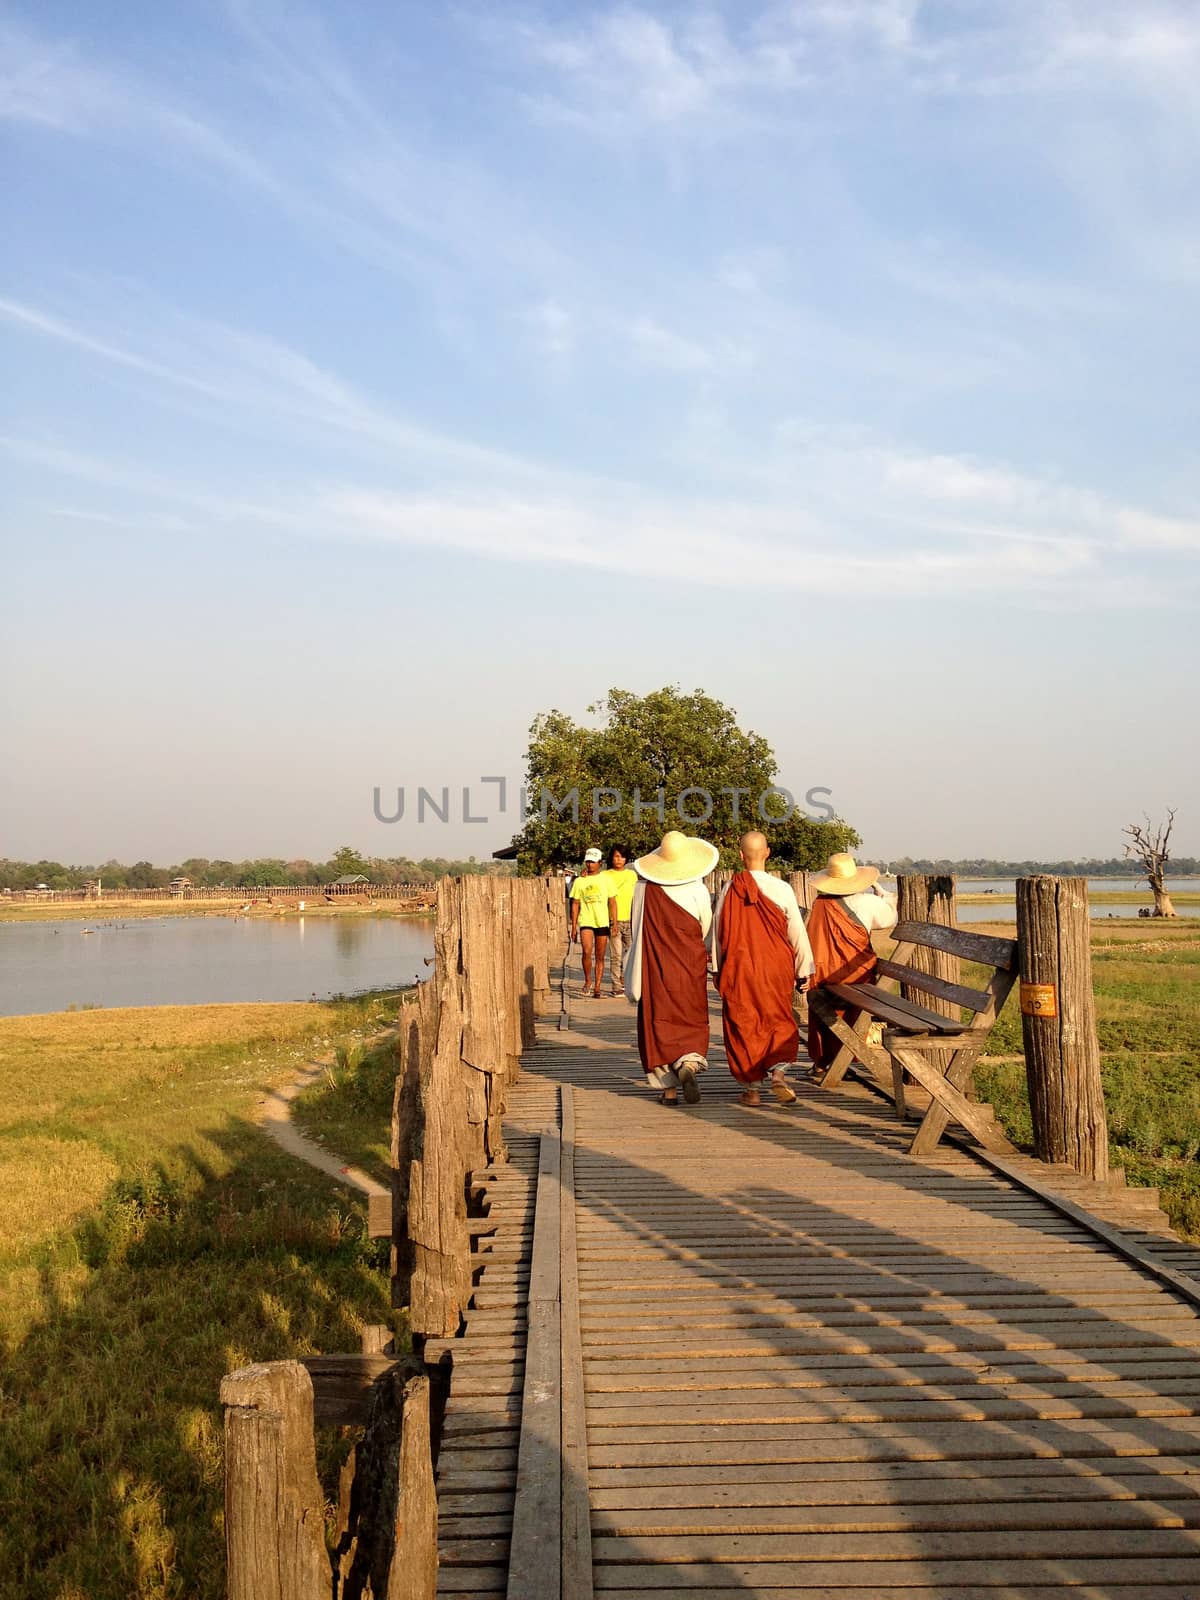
380 376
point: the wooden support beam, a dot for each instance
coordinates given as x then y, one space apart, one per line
342 1385
379 1216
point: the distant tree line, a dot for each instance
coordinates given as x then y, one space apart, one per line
1114 867
266 872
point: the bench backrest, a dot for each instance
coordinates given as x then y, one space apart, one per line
983 948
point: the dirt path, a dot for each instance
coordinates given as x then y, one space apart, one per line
275 1114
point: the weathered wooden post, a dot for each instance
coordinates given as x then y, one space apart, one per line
801 889
274 1508
558 921
922 897
516 898
413 1574
1058 1020
440 1285
490 1018
538 891
418 1035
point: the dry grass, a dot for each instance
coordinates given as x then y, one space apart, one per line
134 1072
48 1183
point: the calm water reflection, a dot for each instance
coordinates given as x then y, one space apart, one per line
194 960
1003 890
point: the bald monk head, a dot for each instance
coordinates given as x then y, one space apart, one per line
755 850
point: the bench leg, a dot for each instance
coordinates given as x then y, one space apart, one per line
898 1088
846 1055
826 1014
948 1101
854 1047
959 1070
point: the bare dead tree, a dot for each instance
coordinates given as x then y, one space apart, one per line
1148 846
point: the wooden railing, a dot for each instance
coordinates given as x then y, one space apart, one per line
458 1051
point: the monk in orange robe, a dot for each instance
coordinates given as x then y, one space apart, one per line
672 1018
761 954
847 910
667 966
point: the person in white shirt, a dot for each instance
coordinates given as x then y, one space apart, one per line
760 952
666 970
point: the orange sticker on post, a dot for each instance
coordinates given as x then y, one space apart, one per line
1039 1000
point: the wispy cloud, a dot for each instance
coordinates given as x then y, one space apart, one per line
818 504
53 86
329 159
704 68
654 345
261 379
552 328
716 69
740 546
814 297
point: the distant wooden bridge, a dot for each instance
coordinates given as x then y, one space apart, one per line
421 894
734 1353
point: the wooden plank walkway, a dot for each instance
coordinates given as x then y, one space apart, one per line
794 1360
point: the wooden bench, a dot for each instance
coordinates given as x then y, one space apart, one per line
936 1051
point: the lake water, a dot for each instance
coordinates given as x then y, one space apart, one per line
1004 891
195 960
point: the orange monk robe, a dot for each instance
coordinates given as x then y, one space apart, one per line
672 1015
757 978
842 953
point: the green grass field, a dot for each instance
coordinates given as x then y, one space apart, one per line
1147 983
151 1239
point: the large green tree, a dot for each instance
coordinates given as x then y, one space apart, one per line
681 753
345 862
267 873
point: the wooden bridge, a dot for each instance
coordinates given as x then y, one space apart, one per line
731 1352
734 1353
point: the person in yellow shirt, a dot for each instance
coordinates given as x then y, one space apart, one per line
589 918
622 882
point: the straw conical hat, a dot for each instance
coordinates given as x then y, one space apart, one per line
844 876
678 859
